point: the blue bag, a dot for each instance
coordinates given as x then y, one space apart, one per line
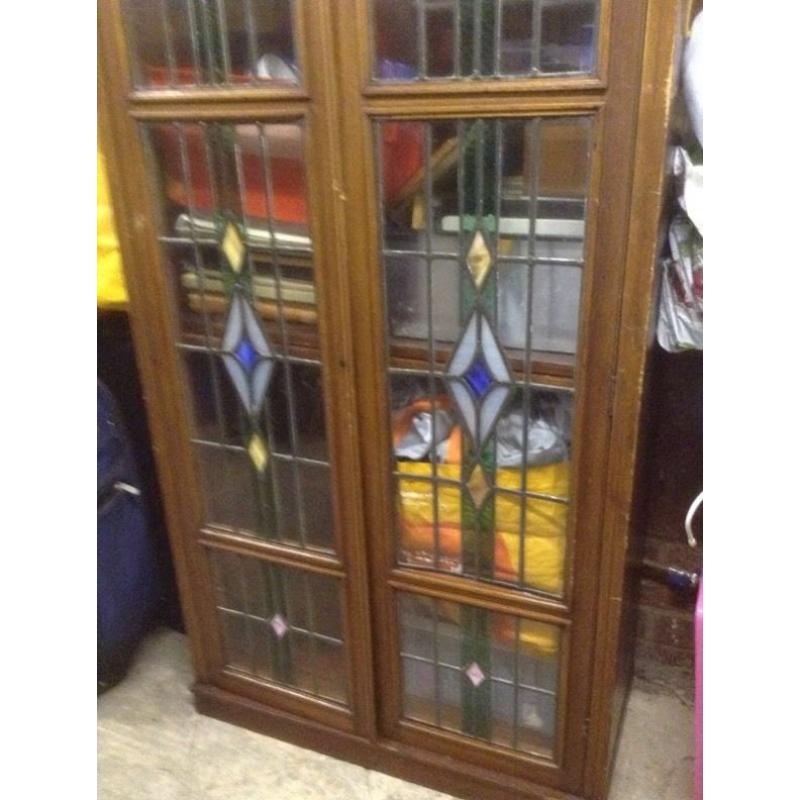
127 570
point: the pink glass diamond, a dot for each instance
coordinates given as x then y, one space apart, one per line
475 674
278 624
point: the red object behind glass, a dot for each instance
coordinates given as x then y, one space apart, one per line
401 156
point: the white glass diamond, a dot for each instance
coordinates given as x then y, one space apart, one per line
480 401
278 624
247 353
475 674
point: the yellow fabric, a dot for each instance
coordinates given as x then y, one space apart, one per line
545 528
111 291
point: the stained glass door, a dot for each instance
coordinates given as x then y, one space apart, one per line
492 276
482 271
482 260
235 268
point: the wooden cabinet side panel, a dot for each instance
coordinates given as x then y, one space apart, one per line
616 619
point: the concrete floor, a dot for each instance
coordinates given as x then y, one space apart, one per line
152 745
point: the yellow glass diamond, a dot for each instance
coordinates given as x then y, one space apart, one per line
259 454
479 259
233 247
478 486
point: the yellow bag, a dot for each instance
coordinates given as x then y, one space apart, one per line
545 529
111 291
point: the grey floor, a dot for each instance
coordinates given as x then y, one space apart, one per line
153 745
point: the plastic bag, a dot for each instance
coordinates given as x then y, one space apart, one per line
680 316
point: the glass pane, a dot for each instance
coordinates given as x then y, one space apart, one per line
210 42
281 624
231 491
429 39
234 228
470 523
442 186
484 674
483 249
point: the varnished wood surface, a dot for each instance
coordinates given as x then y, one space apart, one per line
156 328
615 622
454 776
614 132
628 101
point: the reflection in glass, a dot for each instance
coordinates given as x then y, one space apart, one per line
466 205
429 39
484 674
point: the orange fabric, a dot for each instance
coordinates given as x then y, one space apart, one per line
288 179
421 538
545 525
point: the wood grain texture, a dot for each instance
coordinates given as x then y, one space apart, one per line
155 331
614 136
613 653
629 102
456 777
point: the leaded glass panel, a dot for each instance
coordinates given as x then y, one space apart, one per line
179 43
480 673
238 250
281 625
483 252
478 39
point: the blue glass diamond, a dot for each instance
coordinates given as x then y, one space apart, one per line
478 377
246 354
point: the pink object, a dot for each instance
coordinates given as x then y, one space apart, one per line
279 625
698 695
475 674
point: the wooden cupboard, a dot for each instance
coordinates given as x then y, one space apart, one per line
391 271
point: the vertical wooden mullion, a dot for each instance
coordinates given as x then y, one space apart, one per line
325 154
351 35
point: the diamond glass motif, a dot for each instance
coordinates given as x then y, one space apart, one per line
278 624
475 674
478 486
232 247
479 378
258 452
479 259
247 354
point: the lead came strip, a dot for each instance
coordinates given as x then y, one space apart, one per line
270 197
